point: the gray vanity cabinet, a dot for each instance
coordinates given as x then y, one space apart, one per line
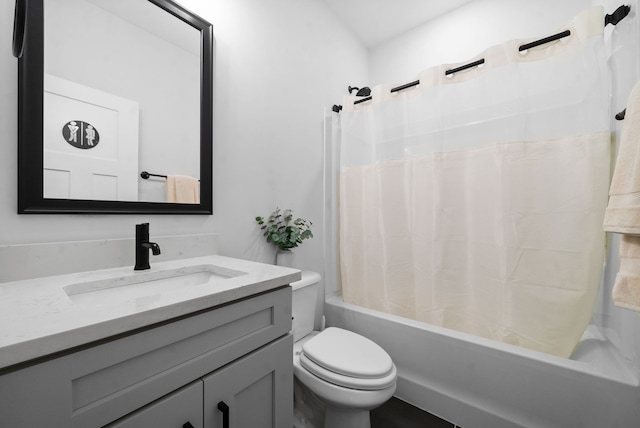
243 391
171 374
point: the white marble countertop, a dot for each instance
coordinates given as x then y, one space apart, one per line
41 316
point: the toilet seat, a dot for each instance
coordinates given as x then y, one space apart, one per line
347 359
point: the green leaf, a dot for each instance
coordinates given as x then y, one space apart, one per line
281 230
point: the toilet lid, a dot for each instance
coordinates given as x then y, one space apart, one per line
363 384
349 354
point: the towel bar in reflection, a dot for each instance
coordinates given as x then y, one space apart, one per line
146 175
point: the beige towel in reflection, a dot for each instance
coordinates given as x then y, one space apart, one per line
623 212
183 189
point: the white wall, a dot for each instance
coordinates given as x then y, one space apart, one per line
465 32
278 64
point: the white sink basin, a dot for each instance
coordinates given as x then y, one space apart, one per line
139 284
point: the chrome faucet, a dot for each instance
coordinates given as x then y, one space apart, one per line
142 247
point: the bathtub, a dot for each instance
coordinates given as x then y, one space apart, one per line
477 383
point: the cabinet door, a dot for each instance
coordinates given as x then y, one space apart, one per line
180 409
255 391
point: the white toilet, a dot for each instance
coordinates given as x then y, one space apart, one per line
347 372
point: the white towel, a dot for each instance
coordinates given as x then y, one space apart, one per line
183 189
623 212
626 290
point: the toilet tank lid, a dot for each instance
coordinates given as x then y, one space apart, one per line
308 278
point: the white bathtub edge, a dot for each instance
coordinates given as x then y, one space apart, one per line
479 383
621 374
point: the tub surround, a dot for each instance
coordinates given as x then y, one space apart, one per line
41 318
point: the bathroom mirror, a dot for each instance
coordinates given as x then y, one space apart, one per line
109 90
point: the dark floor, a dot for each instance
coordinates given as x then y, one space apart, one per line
396 413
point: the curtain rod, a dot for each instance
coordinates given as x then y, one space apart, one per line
614 18
543 41
408 85
464 67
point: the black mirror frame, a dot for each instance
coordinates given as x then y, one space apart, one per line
30 132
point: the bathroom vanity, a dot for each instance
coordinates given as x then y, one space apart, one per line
202 342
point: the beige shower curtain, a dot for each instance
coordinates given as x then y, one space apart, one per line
475 201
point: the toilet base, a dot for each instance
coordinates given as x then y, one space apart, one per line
308 410
336 417
311 412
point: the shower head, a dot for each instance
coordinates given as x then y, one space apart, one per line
362 92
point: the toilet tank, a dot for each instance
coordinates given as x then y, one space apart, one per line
305 295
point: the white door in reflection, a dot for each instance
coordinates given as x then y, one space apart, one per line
90 143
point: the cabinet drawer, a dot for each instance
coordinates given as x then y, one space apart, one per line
182 408
113 379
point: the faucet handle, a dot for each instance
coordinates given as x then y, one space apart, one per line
142 232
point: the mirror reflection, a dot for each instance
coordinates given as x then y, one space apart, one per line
121 96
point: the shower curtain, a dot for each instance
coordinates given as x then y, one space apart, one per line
474 200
